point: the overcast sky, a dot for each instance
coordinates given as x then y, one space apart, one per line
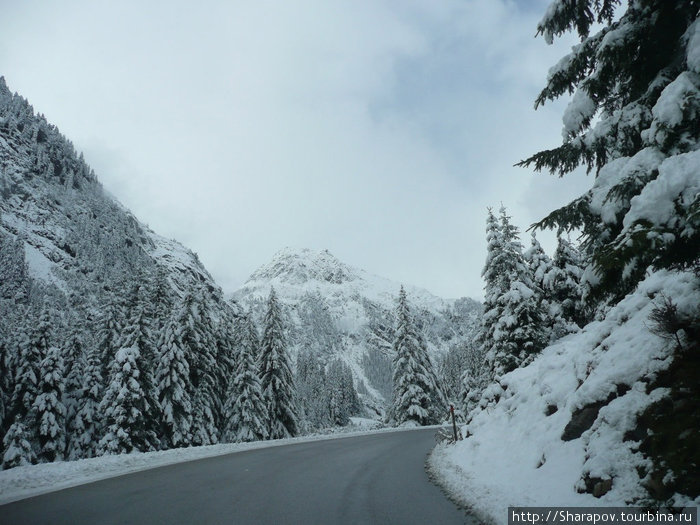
380 130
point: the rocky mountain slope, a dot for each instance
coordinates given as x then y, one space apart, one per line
76 238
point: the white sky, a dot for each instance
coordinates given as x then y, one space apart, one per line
380 130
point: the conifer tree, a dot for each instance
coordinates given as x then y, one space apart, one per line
160 299
518 332
539 262
493 273
245 409
276 374
48 409
541 269
33 346
227 343
311 389
14 275
633 120
474 378
414 383
75 363
136 334
5 379
108 330
17 446
203 370
342 397
173 382
124 407
564 282
86 426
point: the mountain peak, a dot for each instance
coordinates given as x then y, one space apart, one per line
301 265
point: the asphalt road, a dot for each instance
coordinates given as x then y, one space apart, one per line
377 478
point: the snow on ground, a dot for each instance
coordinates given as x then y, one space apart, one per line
23 482
515 455
39 265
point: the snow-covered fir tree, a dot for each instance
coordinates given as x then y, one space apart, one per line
33 346
5 378
414 382
474 378
14 275
160 298
173 380
276 377
245 409
125 407
563 281
311 389
48 410
342 396
449 369
494 287
201 344
539 262
541 270
518 332
75 364
86 425
513 323
18 450
226 350
633 120
136 333
108 331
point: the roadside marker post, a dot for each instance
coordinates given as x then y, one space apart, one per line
454 424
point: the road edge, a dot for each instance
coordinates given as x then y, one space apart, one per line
443 474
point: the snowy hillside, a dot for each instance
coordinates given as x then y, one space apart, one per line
567 430
71 230
336 310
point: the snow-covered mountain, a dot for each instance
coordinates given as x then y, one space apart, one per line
75 236
338 311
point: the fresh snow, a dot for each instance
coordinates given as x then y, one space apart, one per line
616 172
582 108
671 105
27 481
678 182
514 455
39 265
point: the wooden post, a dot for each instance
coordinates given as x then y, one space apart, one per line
454 424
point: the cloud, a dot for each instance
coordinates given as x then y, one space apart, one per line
378 130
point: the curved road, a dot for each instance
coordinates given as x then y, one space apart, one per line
376 478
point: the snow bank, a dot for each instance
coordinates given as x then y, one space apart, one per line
515 454
24 482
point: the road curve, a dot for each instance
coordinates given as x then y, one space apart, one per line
377 478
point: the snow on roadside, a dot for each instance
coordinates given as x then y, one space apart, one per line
515 455
23 482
